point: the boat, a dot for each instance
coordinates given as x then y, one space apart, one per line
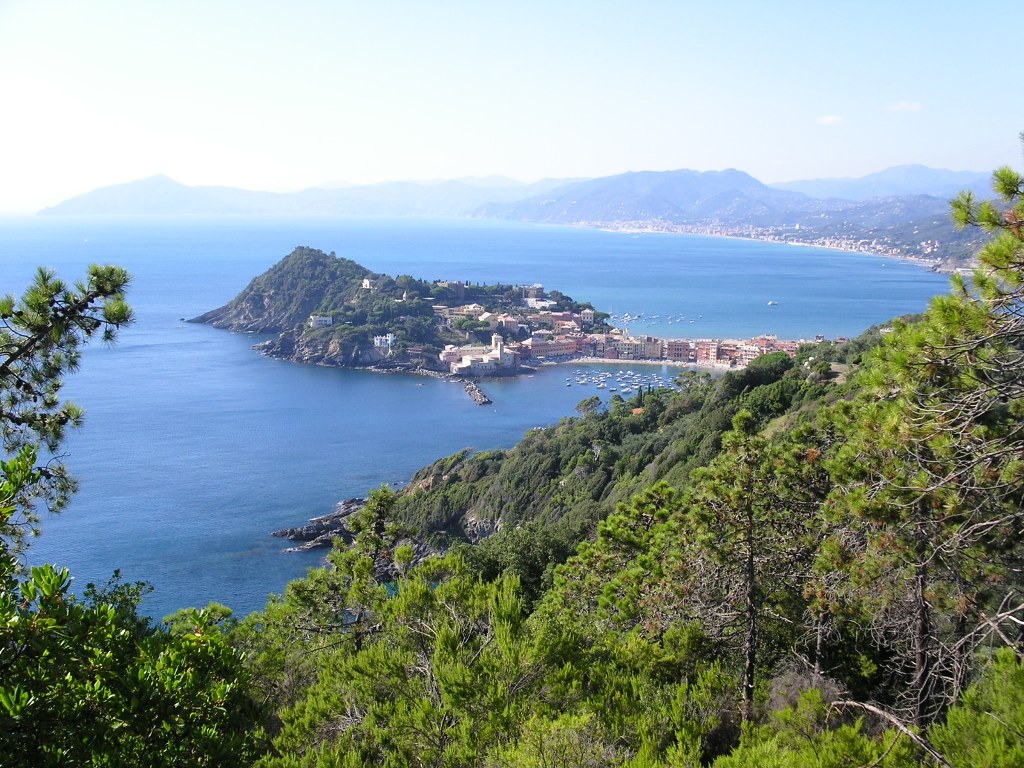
772 303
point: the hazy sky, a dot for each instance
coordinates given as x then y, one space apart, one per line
280 96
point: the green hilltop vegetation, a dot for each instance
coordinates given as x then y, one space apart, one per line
547 494
778 567
360 305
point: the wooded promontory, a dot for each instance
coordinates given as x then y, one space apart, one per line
329 310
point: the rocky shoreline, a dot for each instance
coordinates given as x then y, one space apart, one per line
321 531
272 348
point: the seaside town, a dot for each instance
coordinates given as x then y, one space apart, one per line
925 251
543 334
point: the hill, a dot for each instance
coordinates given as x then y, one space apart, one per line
735 204
332 311
682 196
896 181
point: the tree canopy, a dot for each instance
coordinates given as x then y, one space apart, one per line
87 680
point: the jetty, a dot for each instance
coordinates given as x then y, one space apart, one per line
474 391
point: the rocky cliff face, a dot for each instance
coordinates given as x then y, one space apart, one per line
252 312
301 349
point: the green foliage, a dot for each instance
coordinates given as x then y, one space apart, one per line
41 336
91 684
441 675
930 477
804 736
552 489
569 741
89 681
986 727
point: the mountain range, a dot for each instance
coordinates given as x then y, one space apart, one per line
163 196
901 211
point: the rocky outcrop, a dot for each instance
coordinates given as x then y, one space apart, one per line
322 531
250 313
476 529
320 351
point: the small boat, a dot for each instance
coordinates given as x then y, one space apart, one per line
772 303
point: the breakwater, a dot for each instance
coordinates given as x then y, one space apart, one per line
474 391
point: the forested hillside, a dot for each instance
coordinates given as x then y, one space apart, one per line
527 508
773 568
837 585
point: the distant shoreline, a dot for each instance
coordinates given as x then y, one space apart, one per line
932 265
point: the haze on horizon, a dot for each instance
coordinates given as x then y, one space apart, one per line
263 96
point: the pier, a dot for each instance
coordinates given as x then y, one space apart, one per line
474 391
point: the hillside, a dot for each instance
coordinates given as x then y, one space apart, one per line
285 295
773 568
892 182
674 196
527 508
368 319
735 204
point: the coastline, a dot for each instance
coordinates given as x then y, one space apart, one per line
587 360
932 265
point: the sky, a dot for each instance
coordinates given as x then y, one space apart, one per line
287 95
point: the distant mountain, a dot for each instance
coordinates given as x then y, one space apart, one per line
162 196
676 197
858 214
730 198
734 203
900 180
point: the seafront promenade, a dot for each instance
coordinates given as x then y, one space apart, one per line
618 347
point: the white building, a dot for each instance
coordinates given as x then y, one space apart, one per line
320 321
388 341
479 361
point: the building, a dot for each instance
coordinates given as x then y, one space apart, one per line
680 350
479 361
509 323
468 310
706 353
320 321
387 340
554 347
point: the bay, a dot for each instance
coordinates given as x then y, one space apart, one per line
195 447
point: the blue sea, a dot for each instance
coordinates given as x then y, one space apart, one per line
195 447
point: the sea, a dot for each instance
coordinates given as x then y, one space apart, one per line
195 447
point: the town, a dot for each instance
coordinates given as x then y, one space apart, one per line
541 334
